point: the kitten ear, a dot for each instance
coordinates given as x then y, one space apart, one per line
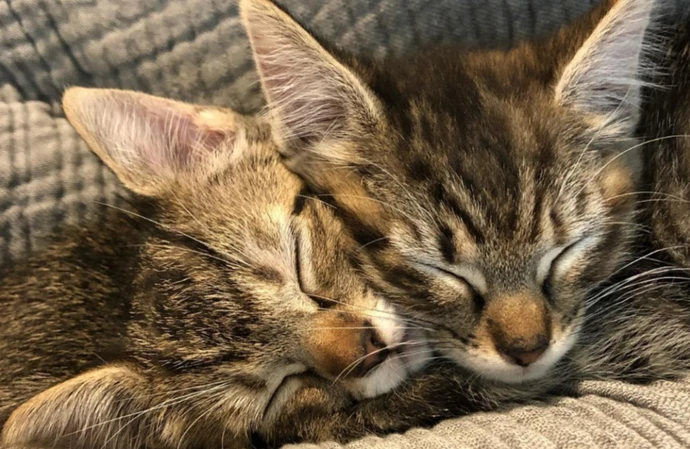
605 76
311 95
148 141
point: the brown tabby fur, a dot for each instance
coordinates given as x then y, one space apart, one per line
187 319
423 100
454 157
457 159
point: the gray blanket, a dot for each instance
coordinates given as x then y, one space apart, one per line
195 50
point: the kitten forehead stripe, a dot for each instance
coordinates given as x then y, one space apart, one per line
442 197
446 241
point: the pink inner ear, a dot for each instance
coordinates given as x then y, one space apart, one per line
184 143
156 136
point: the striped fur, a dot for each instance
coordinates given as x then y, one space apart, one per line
191 318
496 197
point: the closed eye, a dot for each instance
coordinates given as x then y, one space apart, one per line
298 261
321 302
472 289
558 260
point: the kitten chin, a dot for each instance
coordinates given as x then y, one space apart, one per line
409 357
493 366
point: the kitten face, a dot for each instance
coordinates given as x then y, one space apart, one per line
269 291
501 262
245 280
498 250
491 192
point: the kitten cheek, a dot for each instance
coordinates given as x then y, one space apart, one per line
566 293
579 270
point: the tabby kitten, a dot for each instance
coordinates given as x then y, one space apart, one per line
492 191
494 194
618 336
191 319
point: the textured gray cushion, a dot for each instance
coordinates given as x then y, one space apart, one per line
196 50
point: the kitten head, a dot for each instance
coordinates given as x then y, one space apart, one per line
244 280
491 191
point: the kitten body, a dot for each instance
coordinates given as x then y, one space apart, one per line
499 198
187 318
619 336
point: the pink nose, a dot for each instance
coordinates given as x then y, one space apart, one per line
525 356
375 350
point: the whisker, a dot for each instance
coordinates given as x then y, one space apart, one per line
412 353
649 192
596 133
351 367
199 418
638 289
406 343
632 279
380 239
167 403
196 387
201 253
646 257
361 328
309 197
161 225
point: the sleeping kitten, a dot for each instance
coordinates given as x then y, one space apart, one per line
494 196
615 340
185 321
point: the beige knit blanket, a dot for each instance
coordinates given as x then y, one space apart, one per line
606 415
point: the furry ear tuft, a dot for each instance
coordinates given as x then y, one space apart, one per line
149 141
311 95
605 76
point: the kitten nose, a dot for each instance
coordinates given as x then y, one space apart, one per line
375 350
345 345
520 327
525 356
